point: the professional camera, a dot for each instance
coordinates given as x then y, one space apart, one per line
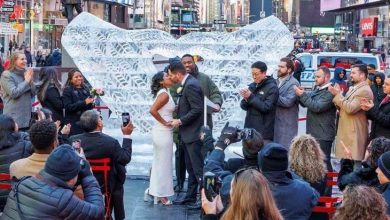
212 184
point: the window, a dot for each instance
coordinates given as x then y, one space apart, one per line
306 60
344 61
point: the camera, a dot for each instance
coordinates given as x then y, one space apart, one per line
212 185
245 133
125 118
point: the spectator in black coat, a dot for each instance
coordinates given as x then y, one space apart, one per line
97 145
366 175
377 87
259 101
49 93
14 145
54 59
27 52
49 195
379 114
39 59
77 99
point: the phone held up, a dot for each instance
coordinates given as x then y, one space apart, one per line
125 118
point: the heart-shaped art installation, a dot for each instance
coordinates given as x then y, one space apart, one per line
121 61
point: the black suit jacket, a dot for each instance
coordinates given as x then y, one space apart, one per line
190 110
99 145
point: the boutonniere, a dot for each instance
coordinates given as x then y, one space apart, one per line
178 91
261 93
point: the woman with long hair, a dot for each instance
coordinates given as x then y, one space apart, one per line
361 202
77 99
307 160
18 89
250 199
14 145
50 93
161 182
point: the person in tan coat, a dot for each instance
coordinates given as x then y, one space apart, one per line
352 131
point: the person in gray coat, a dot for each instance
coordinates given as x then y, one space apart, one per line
49 195
17 90
286 117
321 112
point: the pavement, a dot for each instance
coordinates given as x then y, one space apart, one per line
137 209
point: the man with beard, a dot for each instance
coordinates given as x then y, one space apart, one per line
321 112
352 132
286 118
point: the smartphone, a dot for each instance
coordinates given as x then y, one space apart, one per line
76 144
125 118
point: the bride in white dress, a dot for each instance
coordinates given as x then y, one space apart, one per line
161 178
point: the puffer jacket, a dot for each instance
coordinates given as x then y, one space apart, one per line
261 107
364 176
16 147
47 197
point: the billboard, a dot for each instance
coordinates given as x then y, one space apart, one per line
327 5
348 3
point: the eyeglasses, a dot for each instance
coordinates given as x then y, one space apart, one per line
240 171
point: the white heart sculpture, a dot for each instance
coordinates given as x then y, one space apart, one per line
121 61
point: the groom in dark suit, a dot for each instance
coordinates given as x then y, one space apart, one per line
190 121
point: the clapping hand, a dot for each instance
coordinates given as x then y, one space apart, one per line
245 93
299 90
334 89
66 129
28 75
366 104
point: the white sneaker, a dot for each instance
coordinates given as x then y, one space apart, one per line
147 196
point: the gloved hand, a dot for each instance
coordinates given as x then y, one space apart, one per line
85 169
228 135
207 138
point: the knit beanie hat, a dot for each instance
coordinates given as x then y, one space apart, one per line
63 163
273 157
252 144
384 164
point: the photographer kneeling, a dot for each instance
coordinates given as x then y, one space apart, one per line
293 197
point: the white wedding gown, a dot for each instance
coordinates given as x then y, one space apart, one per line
161 178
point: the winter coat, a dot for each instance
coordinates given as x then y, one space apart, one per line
74 103
210 90
286 117
48 197
17 94
54 59
377 90
40 61
380 116
15 147
261 106
53 102
386 195
364 176
28 57
321 114
338 80
353 124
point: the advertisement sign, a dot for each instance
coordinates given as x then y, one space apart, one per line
7 29
327 5
348 3
369 26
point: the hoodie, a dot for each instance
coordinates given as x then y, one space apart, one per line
377 90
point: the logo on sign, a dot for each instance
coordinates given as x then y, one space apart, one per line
367 26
